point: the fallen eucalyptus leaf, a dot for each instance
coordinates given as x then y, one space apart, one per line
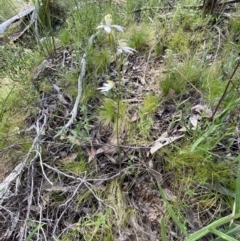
71 157
163 141
197 113
92 154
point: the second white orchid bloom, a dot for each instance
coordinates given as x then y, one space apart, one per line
108 24
107 86
123 48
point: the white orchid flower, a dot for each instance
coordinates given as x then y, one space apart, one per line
123 48
108 26
107 86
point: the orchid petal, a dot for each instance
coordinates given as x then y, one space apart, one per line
100 26
118 27
107 86
119 51
128 50
107 28
125 49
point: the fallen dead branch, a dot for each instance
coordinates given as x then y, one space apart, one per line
80 80
4 186
22 192
12 185
79 95
29 12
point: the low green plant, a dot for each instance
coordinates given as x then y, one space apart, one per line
82 127
141 37
89 92
76 166
17 62
212 82
232 230
149 105
234 28
111 220
109 112
64 36
83 21
115 199
179 42
187 74
146 110
98 61
199 165
97 226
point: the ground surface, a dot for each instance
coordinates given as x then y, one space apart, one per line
165 171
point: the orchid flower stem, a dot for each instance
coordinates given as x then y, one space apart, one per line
110 4
119 97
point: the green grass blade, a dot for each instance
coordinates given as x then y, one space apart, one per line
4 103
172 213
237 211
163 230
222 235
202 232
203 137
235 230
29 237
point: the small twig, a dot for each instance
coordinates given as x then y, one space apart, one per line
61 173
226 89
83 181
23 232
15 176
149 56
87 144
65 204
74 193
80 179
189 81
151 8
4 186
40 209
14 219
41 164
